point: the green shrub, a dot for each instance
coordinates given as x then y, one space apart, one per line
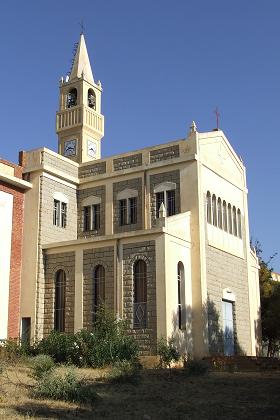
196 367
106 344
65 387
124 371
41 365
167 352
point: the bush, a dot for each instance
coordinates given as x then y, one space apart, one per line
124 371
197 367
65 387
106 344
167 352
41 365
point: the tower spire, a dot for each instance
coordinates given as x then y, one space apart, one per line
81 66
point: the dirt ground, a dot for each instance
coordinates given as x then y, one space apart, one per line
159 394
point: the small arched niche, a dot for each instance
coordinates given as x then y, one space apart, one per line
72 98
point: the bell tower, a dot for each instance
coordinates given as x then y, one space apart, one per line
79 122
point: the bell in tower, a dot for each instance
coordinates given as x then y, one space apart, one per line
79 122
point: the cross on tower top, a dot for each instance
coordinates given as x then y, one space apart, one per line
216 112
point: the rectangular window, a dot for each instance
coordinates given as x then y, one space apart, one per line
63 214
59 213
159 200
87 218
96 216
56 211
132 205
170 202
123 212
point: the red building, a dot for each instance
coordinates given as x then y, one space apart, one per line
12 189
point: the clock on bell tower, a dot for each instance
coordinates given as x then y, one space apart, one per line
79 122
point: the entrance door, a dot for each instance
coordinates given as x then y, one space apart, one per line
228 328
25 330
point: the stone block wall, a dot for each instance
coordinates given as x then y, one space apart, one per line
227 271
64 261
134 184
146 338
92 258
127 162
172 176
164 153
81 195
59 164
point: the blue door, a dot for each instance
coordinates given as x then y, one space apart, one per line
228 328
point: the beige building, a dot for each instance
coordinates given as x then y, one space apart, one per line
160 235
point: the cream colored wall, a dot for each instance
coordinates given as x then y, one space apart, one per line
6 224
178 250
255 304
30 252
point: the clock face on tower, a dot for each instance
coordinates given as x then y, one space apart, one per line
91 149
70 147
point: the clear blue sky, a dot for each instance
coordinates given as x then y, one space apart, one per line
162 64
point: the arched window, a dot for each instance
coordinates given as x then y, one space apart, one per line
72 98
229 219
59 301
239 223
209 209
140 294
91 99
181 294
234 221
225 227
98 289
220 220
214 209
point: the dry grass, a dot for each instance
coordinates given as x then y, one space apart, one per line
160 394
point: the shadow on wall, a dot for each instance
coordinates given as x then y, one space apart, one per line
213 336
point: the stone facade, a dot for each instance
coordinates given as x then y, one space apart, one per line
147 337
133 184
59 164
127 162
93 258
164 153
64 261
83 194
227 271
172 176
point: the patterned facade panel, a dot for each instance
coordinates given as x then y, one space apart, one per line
92 170
147 337
64 261
81 196
59 164
93 258
131 184
172 176
164 153
127 162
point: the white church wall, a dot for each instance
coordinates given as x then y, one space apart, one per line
6 223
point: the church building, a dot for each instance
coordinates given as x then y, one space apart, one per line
160 236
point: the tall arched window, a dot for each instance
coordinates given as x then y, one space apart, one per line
181 294
98 289
220 220
239 223
209 210
229 219
214 209
91 99
72 98
59 301
225 227
234 221
140 294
